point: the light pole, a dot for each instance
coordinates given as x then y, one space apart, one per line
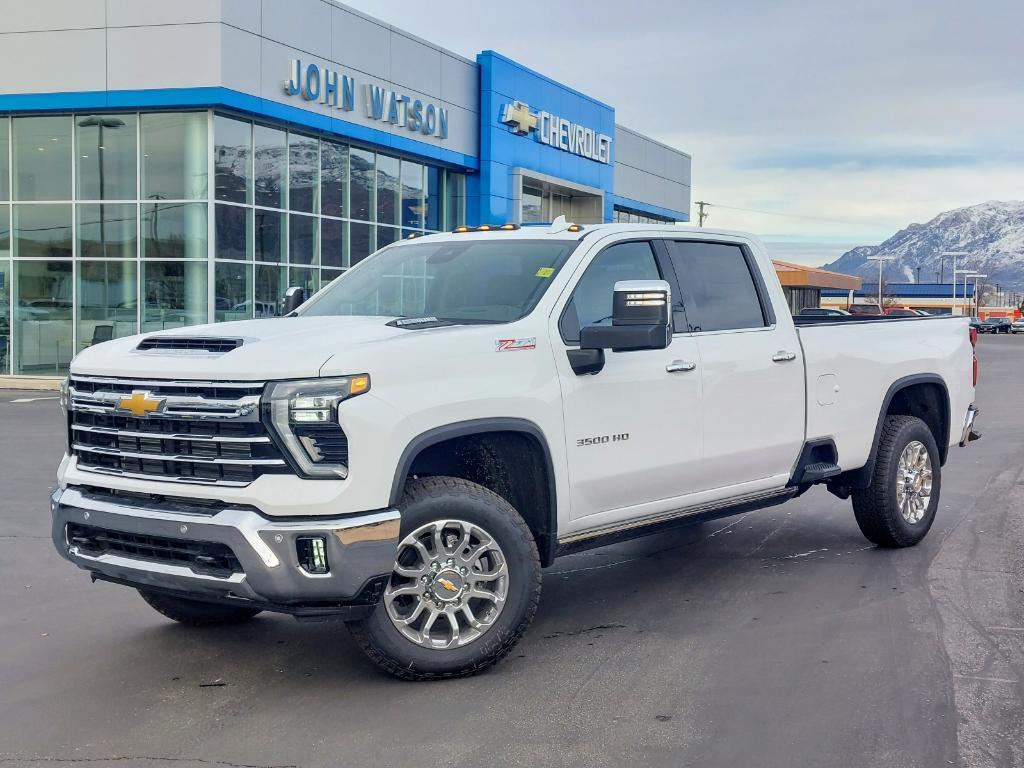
955 278
942 264
976 276
100 123
881 260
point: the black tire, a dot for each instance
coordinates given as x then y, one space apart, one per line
196 613
446 498
876 506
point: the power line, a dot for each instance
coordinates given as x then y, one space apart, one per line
779 213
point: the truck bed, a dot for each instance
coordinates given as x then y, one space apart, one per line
853 361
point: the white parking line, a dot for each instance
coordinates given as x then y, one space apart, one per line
32 399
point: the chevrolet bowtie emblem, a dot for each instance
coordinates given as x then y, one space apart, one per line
518 115
447 585
140 404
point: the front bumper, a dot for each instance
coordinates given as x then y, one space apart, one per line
969 435
360 551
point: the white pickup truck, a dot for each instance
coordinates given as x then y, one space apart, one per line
407 449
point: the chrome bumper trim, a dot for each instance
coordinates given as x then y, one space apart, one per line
359 548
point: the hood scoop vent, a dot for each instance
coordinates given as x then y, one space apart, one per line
189 344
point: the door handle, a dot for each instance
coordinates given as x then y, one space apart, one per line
783 357
680 366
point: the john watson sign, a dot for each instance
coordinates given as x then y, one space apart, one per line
336 89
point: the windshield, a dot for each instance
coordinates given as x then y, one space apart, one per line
473 281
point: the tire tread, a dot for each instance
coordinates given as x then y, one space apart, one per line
439 487
874 506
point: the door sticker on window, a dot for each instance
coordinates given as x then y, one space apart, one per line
545 272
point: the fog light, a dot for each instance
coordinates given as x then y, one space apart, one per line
312 552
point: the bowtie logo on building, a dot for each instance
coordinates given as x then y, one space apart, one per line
518 115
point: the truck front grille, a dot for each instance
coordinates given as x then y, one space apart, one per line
207 432
207 557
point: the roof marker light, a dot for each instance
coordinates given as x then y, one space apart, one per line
484 228
461 229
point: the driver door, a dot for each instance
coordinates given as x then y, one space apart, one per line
633 431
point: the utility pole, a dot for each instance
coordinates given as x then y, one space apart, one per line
701 213
919 274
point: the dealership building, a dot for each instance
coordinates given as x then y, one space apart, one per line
167 164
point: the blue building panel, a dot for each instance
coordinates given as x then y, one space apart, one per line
502 82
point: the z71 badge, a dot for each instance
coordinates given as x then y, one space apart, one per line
602 439
514 345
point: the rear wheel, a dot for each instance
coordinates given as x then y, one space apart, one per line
196 613
898 508
464 586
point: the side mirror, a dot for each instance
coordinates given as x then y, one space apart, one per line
641 319
294 298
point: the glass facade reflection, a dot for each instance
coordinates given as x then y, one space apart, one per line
110 223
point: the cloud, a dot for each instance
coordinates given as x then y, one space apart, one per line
850 119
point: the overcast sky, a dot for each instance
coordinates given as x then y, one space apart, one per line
845 120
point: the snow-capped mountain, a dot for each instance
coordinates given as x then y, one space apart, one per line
991 233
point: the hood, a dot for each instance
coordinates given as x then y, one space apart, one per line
275 348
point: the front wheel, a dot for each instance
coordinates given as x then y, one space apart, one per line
898 508
463 589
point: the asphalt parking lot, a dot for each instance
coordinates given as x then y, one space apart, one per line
779 638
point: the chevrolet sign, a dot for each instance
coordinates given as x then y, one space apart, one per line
558 132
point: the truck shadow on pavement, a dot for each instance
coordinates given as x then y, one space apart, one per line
673 583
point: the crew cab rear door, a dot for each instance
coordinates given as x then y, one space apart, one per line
632 431
751 365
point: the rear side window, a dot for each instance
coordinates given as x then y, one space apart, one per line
591 302
718 286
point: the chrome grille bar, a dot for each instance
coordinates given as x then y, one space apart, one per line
180 458
169 435
202 432
175 406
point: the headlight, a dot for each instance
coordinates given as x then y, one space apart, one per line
304 417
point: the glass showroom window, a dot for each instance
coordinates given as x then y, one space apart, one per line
174 156
333 179
107 231
42 158
232 291
106 157
42 316
107 300
174 294
232 160
5 154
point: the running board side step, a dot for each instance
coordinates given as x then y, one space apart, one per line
632 529
822 470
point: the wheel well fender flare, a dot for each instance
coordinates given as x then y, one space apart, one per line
862 477
477 427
